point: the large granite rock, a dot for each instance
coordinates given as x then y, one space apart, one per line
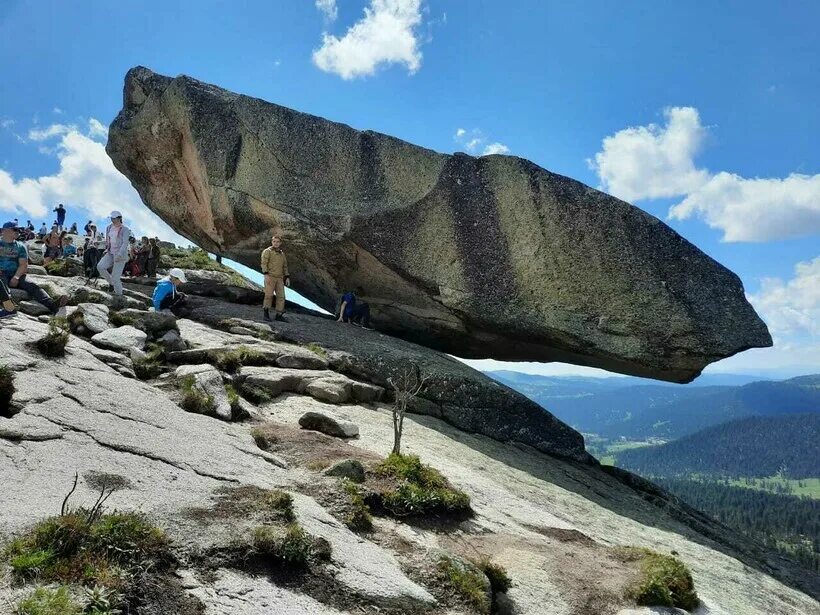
478 257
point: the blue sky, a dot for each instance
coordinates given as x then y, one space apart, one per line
706 111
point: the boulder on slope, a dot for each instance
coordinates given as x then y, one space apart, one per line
489 257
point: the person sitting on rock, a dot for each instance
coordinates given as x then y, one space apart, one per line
275 269
54 245
87 228
116 252
13 267
167 297
73 229
43 231
69 249
353 311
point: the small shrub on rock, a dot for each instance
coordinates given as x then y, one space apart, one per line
150 366
256 395
53 343
47 601
281 502
194 400
665 580
6 389
416 489
290 545
233 399
467 581
500 581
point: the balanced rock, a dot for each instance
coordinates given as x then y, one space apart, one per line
488 257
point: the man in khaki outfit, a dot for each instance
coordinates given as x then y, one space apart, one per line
275 268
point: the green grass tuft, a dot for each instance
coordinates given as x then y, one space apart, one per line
467 581
500 581
281 502
231 360
6 389
290 545
665 580
47 601
419 489
316 349
233 399
359 519
78 548
256 395
194 400
53 343
119 320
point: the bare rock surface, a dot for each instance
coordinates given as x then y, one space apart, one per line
121 338
94 317
490 257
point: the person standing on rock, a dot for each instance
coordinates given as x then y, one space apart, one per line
275 269
116 252
60 211
13 267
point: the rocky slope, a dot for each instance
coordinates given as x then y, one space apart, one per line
478 257
551 521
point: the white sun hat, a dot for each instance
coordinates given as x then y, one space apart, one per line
115 214
177 273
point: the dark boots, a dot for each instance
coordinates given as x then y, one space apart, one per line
266 314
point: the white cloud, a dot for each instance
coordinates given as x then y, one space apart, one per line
328 9
647 162
86 179
792 308
57 110
474 141
97 129
495 148
50 132
7 123
755 209
387 34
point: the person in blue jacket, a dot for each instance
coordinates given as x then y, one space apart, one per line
166 296
353 311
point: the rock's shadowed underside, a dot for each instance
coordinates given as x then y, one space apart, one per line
490 257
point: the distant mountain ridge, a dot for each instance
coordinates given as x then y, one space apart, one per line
756 446
619 408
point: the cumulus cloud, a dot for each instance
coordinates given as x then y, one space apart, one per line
792 308
328 9
474 142
495 148
387 34
97 129
648 162
57 110
755 209
86 179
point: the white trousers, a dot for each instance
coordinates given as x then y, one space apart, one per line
114 278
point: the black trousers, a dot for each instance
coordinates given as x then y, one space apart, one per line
34 291
174 302
360 314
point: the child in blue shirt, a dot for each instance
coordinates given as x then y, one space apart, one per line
166 296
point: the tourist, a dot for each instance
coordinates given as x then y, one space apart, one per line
87 227
116 252
91 256
275 269
152 258
60 210
13 267
29 226
69 249
54 245
166 296
42 232
73 229
353 311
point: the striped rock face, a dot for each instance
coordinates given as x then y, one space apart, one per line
490 257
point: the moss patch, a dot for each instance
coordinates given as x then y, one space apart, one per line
359 518
665 580
407 487
151 365
53 343
316 349
120 320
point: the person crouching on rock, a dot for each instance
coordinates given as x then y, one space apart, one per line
353 311
167 297
275 269
13 267
116 252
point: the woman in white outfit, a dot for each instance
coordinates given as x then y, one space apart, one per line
116 252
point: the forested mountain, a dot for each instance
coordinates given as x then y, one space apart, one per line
758 446
784 522
613 409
